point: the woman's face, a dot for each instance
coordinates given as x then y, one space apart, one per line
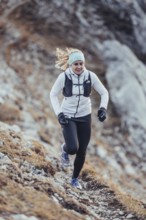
78 67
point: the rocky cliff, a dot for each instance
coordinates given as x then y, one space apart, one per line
111 33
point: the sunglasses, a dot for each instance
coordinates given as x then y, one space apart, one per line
76 64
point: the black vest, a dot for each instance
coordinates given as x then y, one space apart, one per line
67 90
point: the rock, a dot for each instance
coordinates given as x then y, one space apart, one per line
121 213
127 91
4 159
129 216
23 217
101 152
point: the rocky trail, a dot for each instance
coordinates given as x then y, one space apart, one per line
33 183
96 200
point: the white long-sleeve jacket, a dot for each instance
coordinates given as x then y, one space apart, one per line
77 105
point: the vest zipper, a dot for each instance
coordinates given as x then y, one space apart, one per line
79 98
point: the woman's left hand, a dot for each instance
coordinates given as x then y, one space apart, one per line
101 114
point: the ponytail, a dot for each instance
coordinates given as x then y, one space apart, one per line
63 57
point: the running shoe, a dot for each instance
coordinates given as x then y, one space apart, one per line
75 183
64 157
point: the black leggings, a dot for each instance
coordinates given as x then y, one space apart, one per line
77 135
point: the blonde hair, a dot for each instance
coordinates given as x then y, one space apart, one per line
63 57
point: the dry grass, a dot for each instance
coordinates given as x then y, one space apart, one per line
96 181
17 199
130 203
18 195
9 112
89 173
15 150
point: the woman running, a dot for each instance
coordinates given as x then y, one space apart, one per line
74 113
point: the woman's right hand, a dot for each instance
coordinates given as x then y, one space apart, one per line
62 119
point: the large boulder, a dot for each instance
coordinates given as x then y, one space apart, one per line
126 77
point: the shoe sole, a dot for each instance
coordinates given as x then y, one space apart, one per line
64 163
77 187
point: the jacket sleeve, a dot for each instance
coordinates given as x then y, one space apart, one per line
99 87
55 91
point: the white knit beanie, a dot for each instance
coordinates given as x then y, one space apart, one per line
74 56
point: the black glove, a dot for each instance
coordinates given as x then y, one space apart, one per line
62 120
101 114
